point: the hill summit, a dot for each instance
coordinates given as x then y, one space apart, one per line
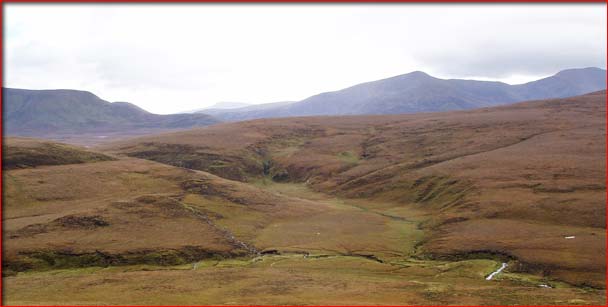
420 92
56 112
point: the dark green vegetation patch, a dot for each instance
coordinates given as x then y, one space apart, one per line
47 154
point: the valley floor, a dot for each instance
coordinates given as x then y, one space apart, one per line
293 280
328 269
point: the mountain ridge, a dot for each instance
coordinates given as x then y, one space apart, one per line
62 111
418 91
43 112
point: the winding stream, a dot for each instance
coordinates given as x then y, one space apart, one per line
502 267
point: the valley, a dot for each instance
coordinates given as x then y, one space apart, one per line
353 253
304 154
411 209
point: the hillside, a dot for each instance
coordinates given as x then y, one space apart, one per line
378 210
536 166
419 92
26 153
56 113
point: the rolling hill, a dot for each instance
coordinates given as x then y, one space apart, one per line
411 209
26 153
56 113
534 166
419 92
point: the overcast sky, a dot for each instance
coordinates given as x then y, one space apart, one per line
173 57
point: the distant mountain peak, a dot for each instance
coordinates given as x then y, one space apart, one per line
62 112
418 91
416 75
220 106
419 73
228 105
580 70
57 91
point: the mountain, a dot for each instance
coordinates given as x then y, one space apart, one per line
252 111
222 105
58 112
419 92
228 105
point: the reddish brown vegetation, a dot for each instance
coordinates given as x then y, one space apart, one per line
510 180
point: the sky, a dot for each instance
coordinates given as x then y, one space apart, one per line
168 58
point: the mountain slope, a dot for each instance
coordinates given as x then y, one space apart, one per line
566 83
228 105
250 112
223 105
418 92
57 112
506 182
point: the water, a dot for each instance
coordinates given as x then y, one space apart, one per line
502 267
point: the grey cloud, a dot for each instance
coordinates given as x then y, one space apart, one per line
501 62
260 53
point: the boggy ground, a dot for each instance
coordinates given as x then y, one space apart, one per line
311 248
291 280
409 209
511 181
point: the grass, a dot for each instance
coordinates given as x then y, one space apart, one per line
348 157
242 221
406 209
27 153
337 269
345 226
286 280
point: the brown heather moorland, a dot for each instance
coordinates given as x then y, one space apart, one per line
399 209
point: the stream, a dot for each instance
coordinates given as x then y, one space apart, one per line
502 267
